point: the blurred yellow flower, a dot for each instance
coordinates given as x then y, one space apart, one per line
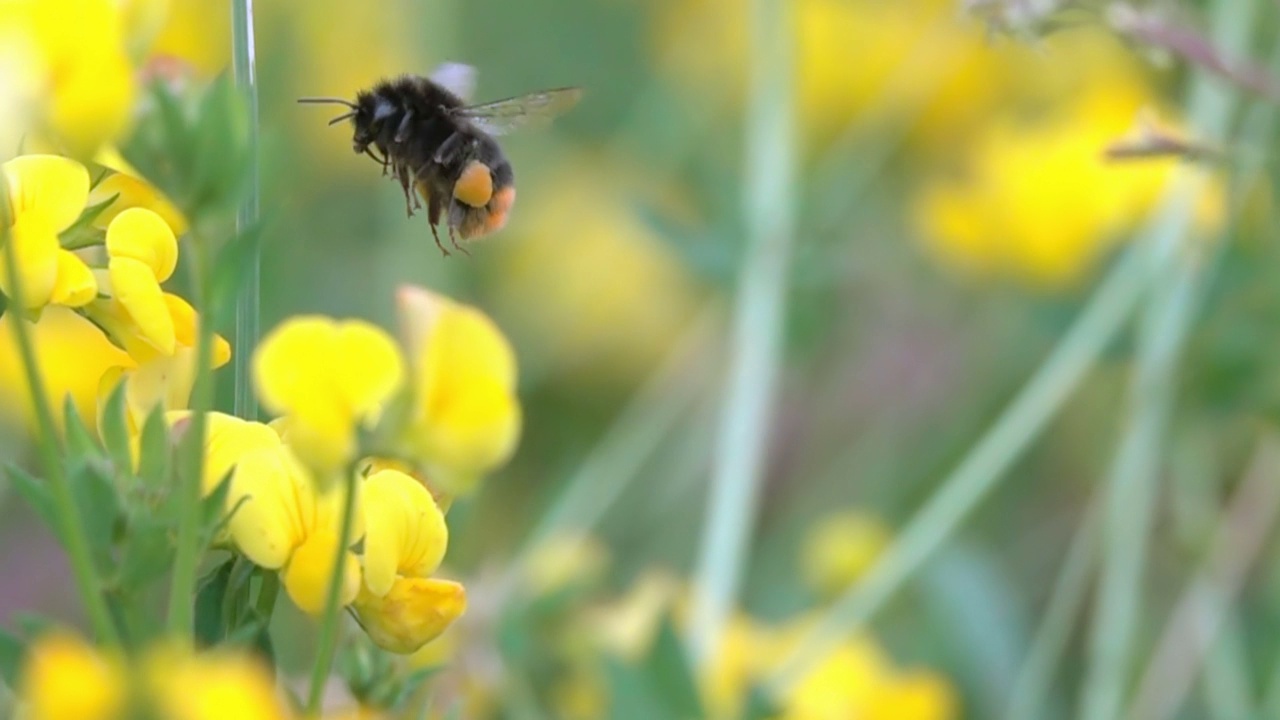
64 678
197 31
327 378
840 548
283 521
589 326
1038 201
412 613
73 356
564 561
46 195
465 417
210 686
75 67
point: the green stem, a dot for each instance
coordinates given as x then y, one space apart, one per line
1131 489
769 206
247 318
962 490
332 617
1029 698
190 542
70 525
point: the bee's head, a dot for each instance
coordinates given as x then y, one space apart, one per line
368 115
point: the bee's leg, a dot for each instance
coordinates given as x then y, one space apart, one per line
402 132
454 222
402 173
447 148
433 217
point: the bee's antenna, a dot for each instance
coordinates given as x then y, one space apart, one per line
327 100
342 117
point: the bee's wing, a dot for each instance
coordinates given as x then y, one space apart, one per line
457 78
535 109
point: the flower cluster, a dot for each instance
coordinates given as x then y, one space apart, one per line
403 427
89 285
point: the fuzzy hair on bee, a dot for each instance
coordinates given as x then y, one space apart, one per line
441 150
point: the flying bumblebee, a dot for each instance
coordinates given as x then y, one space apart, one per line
439 147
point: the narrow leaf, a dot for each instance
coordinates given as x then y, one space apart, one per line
12 650
209 629
36 495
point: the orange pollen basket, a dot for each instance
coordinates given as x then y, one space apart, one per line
475 185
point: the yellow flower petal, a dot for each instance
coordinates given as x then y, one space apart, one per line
413 613
406 532
309 571
268 490
65 678
75 285
35 248
135 288
186 325
49 187
328 377
210 686
144 236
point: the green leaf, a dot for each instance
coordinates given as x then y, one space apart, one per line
669 671
235 600
12 650
759 705
411 684
36 494
632 696
147 554
209 628
81 442
99 510
155 450
115 430
233 264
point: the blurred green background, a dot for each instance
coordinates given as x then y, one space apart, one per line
953 212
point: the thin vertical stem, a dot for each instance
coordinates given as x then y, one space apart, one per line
758 321
332 617
1132 483
247 315
70 526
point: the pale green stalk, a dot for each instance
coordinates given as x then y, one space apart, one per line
1131 488
247 316
66 512
755 345
1034 682
332 616
961 491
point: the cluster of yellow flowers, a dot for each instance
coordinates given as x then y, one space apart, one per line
415 429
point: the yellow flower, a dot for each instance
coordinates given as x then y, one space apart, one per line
142 253
1039 202
210 686
840 548
465 418
414 612
563 561
199 32
76 66
283 521
46 195
405 541
130 190
63 678
327 378
406 534
73 356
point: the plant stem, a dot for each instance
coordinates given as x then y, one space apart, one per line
1132 485
962 490
332 617
1034 680
769 207
247 316
70 525
190 542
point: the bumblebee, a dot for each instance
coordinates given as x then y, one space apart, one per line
426 136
